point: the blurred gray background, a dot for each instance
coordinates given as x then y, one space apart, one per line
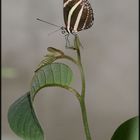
110 59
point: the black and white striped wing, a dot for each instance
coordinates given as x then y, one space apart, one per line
78 15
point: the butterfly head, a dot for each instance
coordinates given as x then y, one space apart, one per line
64 30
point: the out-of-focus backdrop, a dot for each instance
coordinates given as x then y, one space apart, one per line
110 60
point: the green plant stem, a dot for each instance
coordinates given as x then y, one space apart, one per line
77 46
85 120
83 81
82 97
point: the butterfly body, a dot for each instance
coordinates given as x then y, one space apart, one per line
78 15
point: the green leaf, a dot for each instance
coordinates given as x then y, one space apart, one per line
23 121
127 131
55 74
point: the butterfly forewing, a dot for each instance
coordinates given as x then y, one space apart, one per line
69 6
78 15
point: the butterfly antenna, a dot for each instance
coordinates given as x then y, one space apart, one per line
54 32
48 22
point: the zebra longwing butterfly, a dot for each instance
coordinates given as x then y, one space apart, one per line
78 15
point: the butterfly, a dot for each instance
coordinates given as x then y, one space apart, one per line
78 16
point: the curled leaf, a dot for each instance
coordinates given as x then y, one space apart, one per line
55 52
23 121
48 60
50 57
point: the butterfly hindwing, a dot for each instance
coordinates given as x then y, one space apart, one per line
90 16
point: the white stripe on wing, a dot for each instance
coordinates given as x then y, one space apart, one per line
70 14
78 19
66 3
